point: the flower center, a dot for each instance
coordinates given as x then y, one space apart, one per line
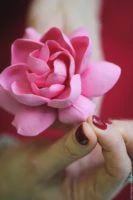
40 83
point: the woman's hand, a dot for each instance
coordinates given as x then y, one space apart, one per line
38 171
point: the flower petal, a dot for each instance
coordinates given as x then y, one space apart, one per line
31 33
60 68
11 74
52 91
57 52
69 96
57 35
54 47
8 103
82 46
32 121
37 65
59 75
21 49
38 78
66 57
78 112
23 94
44 53
99 78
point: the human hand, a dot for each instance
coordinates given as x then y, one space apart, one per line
38 171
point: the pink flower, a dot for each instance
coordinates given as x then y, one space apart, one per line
51 77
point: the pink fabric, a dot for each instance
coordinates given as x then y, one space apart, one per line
51 77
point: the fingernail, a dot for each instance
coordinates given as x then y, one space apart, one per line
80 136
108 121
99 123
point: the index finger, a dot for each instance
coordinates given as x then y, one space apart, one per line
113 148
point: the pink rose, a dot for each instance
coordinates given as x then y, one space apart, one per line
51 77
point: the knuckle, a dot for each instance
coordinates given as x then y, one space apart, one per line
122 172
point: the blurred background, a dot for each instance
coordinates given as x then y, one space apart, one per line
110 24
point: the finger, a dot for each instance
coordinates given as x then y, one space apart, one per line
125 128
71 147
113 147
117 164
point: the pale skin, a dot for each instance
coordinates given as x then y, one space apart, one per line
37 169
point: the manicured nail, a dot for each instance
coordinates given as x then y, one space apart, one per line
108 121
99 123
80 136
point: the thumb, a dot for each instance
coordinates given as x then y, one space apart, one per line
63 152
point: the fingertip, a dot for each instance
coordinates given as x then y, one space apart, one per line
101 127
90 134
107 135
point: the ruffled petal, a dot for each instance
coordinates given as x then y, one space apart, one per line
39 79
69 96
57 35
99 78
78 112
8 103
59 75
52 91
60 68
23 94
21 49
11 74
32 34
82 47
37 65
44 53
54 46
66 57
32 121
58 52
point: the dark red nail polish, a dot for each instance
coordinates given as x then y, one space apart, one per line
98 122
108 121
80 136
